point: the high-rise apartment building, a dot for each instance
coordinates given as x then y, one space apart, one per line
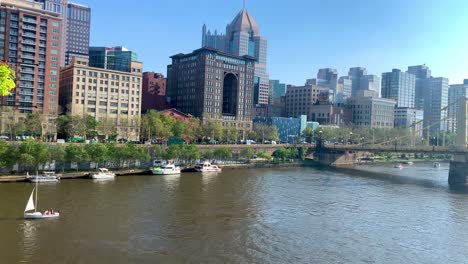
436 93
457 92
243 38
31 40
113 58
421 72
76 29
214 86
361 81
108 95
399 86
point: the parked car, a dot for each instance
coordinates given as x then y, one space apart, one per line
61 141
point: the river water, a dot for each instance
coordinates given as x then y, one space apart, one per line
291 215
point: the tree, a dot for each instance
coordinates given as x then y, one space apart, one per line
33 153
107 128
214 131
97 153
33 124
309 134
248 153
91 125
7 154
252 135
77 127
7 79
172 152
223 153
75 153
63 122
282 154
57 153
189 153
264 155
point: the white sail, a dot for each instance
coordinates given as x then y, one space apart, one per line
30 205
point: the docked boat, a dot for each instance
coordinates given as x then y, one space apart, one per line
167 169
48 176
436 165
207 167
32 205
103 173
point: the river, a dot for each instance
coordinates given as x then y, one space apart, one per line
291 215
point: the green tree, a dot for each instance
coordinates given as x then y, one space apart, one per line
7 79
309 134
8 154
264 155
97 153
33 153
248 153
189 153
214 130
75 153
33 124
282 154
223 153
62 123
107 128
57 153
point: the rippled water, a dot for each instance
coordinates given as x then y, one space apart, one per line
301 215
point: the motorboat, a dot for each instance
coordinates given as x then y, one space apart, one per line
408 162
399 166
32 205
436 165
48 176
207 167
167 169
103 173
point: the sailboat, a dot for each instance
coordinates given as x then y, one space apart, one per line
32 205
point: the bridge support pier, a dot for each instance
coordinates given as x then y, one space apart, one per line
458 174
337 158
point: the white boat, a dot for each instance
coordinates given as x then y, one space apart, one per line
436 165
399 166
207 167
167 169
103 173
408 162
48 176
32 205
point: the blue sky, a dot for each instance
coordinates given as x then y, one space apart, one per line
303 35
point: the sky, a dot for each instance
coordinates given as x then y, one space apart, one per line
303 35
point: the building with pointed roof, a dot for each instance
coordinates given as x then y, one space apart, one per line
243 38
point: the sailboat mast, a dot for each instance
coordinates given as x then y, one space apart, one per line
35 207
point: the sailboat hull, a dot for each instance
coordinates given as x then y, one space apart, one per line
39 215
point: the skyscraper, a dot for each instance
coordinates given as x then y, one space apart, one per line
344 90
114 58
243 38
421 72
76 27
214 86
456 93
435 104
361 81
399 86
30 40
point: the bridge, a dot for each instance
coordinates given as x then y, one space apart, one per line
345 155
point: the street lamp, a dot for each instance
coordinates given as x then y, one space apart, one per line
350 138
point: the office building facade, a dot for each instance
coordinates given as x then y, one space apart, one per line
214 86
436 93
371 111
457 92
107 95
154 92
361 81
422 72
30 41
299 100
76 30
111 58
243 38
409 118
400 87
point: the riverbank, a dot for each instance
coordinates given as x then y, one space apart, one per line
137 172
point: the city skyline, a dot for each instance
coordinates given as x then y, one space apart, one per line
405 34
